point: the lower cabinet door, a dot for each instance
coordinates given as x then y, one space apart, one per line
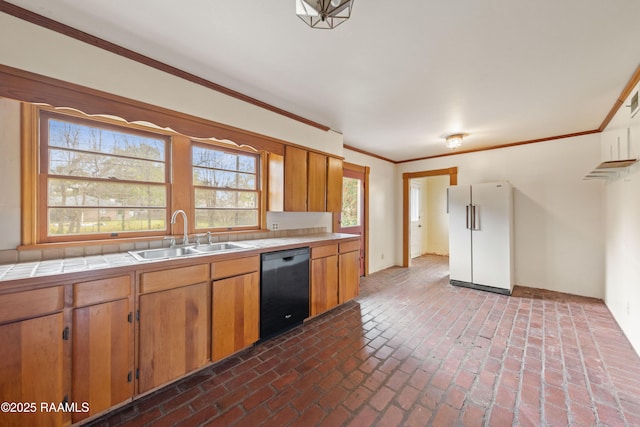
102 356
235 314
349 276
31 369
324 284
174 334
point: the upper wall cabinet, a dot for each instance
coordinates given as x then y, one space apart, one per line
295 179
304 181
334 184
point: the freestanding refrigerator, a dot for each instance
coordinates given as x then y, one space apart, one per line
481 236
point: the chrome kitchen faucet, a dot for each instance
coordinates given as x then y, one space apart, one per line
185 238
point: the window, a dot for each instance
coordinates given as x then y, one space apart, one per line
226 188
99 180
351 198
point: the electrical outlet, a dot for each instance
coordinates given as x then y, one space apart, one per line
275 226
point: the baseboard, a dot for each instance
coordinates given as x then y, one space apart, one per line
480 287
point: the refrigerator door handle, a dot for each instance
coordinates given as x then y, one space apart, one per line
468 225
474 217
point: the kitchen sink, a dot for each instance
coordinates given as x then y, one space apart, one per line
216 247
185 251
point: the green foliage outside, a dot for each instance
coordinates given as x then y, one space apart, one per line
350 202
89 196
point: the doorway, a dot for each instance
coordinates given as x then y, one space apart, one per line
354 218
416 217
409 181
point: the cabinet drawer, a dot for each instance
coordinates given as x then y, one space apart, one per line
27 304
103 290
173 278
235 267
350 246
324 251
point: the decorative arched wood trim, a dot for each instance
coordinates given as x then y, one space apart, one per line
34 88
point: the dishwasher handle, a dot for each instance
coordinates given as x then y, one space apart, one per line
287 255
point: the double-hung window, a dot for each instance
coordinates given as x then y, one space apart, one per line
226 188
100 180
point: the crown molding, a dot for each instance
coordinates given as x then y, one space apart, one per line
74 33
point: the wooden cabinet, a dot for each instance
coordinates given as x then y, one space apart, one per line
174 324
235 317
295 179
324 279
335 275
317 182
334 185
102 344
349 266
83 342
32 354
304 181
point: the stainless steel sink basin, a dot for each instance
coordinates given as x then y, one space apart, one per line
226 246
184 251
164 253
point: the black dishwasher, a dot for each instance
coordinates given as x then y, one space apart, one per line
284 290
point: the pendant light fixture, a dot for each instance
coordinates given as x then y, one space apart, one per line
454 141
325 14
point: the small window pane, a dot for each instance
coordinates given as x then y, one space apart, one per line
210 218
225 199
85 137
68 221
223 179
73 163
218 159
63 192
350 202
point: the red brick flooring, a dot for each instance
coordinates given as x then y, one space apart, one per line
413 350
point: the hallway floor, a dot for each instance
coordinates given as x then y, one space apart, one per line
413 350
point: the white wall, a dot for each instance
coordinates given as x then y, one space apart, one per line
295 220
383 200
9 174
29 47
622 205
559 224
436 212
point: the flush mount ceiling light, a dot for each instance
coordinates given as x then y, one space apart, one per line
325 14
454 141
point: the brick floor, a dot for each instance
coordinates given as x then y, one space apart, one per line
413 350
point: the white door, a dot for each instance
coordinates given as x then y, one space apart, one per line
491 241
459 198
415 216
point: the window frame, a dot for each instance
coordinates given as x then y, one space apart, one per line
259 174
179 184
42 146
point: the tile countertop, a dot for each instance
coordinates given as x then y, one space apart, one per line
27 270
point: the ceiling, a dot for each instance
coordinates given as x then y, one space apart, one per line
394 80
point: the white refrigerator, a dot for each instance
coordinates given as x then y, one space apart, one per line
481 236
